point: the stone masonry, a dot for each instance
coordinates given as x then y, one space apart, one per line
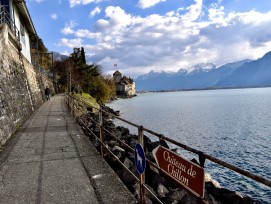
21 87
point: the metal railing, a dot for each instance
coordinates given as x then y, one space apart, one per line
78 108
6 18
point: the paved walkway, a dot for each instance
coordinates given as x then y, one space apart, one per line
50 160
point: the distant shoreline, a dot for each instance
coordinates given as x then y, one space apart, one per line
202 89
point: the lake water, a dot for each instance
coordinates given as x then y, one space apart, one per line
233 125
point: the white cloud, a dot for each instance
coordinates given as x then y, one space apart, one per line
193 11
118 19
54 16
70 43
68 29
83 2
178 39
216 14
95 11
148 3
84 33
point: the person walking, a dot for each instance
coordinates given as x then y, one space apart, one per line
47 93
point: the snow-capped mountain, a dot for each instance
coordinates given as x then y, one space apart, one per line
245 73
154 75
205 67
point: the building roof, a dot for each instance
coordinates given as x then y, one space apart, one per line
23 11
117 73
125 80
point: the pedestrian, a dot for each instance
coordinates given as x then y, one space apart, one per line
47 93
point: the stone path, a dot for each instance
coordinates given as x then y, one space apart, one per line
50 160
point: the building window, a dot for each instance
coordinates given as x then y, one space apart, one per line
22 33
5 4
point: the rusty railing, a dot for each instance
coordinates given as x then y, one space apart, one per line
79 108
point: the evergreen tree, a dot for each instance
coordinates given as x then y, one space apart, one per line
83 55
82 77
60 71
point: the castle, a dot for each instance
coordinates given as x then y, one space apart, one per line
125 86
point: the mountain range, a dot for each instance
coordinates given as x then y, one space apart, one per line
245 73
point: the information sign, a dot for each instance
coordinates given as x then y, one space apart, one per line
140 159
185 172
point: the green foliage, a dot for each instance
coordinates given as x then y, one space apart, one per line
90 73
82 77
82 72
86 96
98 89
110 83
83 56
60 71
87 99
40 56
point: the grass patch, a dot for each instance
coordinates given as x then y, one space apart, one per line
88 99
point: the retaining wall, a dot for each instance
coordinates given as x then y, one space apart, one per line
21 86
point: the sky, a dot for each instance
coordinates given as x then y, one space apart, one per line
137 36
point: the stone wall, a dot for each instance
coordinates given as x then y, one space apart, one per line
21 87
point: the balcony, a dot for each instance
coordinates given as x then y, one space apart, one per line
6 19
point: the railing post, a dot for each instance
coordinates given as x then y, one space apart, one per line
69 97
69 101
72 106
142 176
101 132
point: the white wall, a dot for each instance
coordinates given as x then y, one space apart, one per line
24 40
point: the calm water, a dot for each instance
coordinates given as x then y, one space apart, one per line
232 125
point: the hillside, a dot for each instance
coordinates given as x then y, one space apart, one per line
59 57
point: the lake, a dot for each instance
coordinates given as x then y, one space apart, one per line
230 124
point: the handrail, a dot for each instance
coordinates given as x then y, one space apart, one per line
222 163
5 18
202 156
142 184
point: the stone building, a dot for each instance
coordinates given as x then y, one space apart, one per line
124 86
22 87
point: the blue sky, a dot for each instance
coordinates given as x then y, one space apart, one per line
159 35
